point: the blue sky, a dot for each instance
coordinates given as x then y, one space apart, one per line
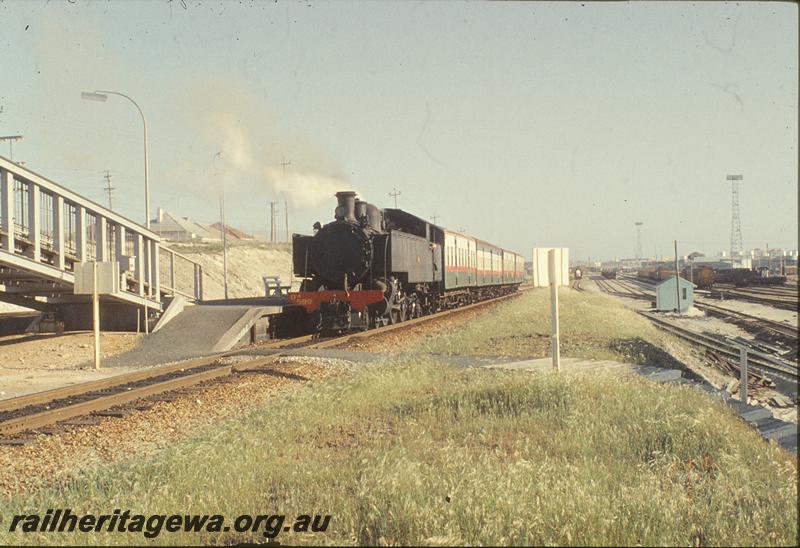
526 124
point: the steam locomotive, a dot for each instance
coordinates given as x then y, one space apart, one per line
371 267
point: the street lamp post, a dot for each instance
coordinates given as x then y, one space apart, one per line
224 230
102 96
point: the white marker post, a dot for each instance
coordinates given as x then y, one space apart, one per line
743 373
96 316
551 271
95 279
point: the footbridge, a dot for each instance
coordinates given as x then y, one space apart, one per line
46 229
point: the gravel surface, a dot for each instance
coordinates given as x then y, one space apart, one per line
788 317
67 455
402 339
32 363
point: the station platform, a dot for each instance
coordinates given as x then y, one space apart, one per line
200 330
277 300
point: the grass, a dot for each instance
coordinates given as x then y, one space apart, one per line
415 452
420 453
591 326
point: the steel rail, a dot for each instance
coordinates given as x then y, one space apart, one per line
101 384
771 325
621 289
774 365
32 421
760 295
764 323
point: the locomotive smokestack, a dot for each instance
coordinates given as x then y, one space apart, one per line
361 209
346 210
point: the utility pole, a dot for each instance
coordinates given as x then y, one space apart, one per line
395 194
736 225
284 164
272 225
638 239
677 279
224 243
11 139
109 189
224 230
434 217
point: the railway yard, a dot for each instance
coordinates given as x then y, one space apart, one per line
725 322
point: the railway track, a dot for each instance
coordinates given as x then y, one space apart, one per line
754 324
47 412
621 288
779 328
765 363
778 296
774 365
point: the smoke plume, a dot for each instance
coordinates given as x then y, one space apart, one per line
254 148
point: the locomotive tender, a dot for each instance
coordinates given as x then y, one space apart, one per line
371 267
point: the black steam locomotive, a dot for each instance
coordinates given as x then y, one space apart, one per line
371 267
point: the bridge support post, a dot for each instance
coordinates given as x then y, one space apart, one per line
156 272
58 231
148 268
101 243
120 242
138 250
80 233
34 224
7 189
172 272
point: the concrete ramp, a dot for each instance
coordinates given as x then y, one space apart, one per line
197 330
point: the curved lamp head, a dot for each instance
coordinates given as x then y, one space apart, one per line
90 96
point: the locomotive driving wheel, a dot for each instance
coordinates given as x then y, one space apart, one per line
398 312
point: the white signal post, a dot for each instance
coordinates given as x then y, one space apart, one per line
96 278
554 343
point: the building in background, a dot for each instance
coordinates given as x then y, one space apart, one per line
181 229
231 232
